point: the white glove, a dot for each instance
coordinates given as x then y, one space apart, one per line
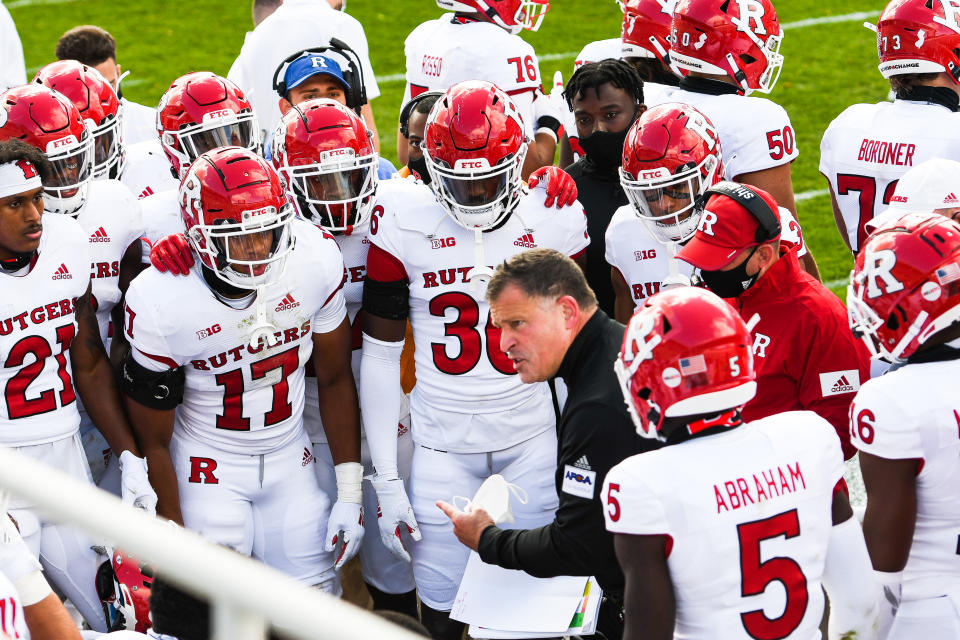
395 511
550 109
135 488
345 525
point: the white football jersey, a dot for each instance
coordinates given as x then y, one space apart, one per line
139 122
748 514
147 170
112 219
354 249
161 217
239 398
755 133
644 263
911 412
12 623
868 147
443 52
37 327
460 367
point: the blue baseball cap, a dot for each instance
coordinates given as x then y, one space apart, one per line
311 65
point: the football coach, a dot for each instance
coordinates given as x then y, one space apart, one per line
552 327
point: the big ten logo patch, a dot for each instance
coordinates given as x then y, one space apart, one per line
201 470
209 331
443 243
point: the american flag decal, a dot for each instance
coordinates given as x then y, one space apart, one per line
692 365
948 273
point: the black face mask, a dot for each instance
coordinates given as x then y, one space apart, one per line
420 168
605 148
730 284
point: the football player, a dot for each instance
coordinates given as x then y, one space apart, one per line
868 147
904 302
757 502
49 339
671 156
429 259
479 41
727 51
931 186
106 210
217 394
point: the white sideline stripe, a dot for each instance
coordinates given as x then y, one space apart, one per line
811 194
797 24
16 4
836 283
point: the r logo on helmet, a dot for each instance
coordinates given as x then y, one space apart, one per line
879 266
752 11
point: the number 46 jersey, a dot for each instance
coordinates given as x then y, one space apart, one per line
748 517
868 148
239 398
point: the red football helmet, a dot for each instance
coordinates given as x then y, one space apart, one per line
919 36
323 150
202 111
237 216
736 38
645 31
670 158
97 102
512 15
474 145
905 285
47 120
131 592
686 352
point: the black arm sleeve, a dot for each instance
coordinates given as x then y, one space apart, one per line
390 300
161 390
576 542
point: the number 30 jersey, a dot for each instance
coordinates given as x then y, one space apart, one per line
460 367
37 327
913 413
748 521
868 148
239 398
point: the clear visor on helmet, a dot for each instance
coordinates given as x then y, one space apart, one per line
250 254
337 196
107 147
477 198
531 13
239 132
72 171
666 204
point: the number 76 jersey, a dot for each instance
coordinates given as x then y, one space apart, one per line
868 148
748 516
238 397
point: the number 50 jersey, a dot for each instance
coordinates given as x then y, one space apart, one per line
748 522
239 398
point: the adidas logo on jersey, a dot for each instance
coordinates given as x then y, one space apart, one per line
99 236
839 382
62 273
287 303
146 192
582 463
307 457
526 241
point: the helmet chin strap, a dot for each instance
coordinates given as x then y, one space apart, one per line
263 330
674 278
480 274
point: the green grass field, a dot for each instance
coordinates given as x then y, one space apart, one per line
828 66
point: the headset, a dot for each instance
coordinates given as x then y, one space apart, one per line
750 200
344 56
407 111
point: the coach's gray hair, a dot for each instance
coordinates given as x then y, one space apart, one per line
543 273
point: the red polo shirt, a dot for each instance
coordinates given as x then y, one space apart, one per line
805 355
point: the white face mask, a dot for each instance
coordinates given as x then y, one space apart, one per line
493 496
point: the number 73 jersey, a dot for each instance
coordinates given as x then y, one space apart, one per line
868 148
747 518
240 398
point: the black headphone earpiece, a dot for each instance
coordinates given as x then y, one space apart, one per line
344 56
746 197
408 108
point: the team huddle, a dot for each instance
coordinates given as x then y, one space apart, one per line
241 318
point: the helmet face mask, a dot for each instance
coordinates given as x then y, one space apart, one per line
66 191
476 198
324 151
108 148
237 217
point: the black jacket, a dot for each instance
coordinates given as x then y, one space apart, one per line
601 195
595 433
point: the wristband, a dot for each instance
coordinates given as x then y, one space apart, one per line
349 479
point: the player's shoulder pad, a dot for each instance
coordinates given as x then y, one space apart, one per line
534 211
408 205
158 298
798 430
66 227
313 241
625 215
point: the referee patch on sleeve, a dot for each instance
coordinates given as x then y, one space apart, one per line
836 383
579 482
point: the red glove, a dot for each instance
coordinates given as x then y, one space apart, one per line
172 254
558 183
